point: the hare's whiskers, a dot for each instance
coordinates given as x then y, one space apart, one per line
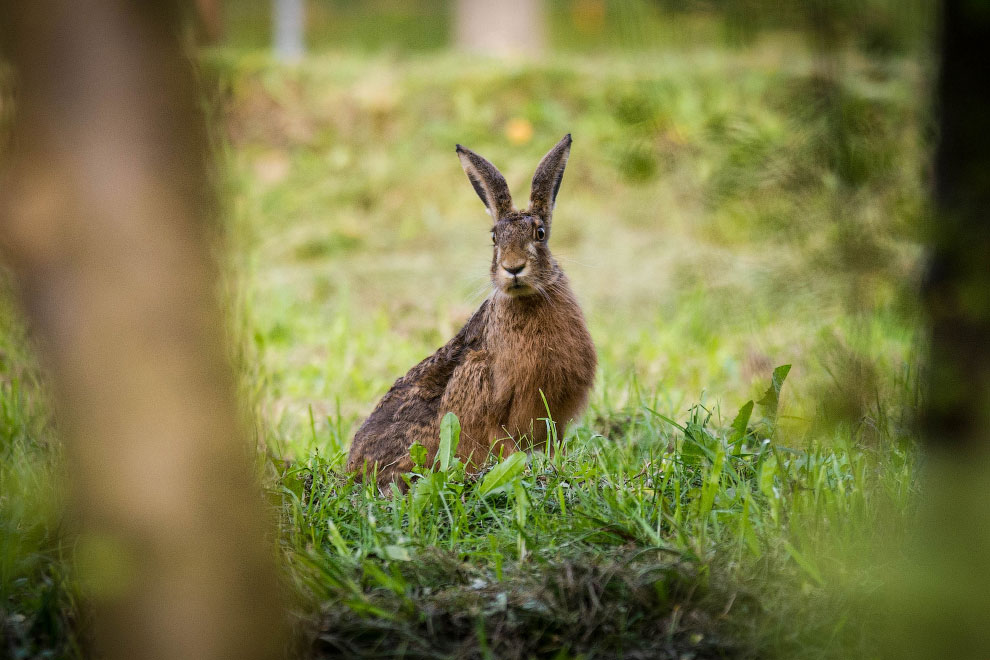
572 260
482 290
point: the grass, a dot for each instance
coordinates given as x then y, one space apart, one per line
660 540
37 600
722 214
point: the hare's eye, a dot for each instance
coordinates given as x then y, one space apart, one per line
493 238
541 233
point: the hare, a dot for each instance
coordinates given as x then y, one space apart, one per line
528 340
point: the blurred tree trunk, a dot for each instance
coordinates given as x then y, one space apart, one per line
290 24
941 600
210 14
509 27
106 221
958 288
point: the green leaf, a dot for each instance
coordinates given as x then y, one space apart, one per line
295 484
456 472
418 454
711 485
503 473
698 444
741 423
450 436
766 479
425 490
771 399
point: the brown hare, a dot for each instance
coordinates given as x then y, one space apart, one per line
528 340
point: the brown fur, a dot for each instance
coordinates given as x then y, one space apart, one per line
528 337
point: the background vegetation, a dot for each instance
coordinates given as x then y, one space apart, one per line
735 202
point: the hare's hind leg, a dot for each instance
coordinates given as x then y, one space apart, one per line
397 461
393 474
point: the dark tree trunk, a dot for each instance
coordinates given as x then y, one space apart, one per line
210 13
939 602
957 293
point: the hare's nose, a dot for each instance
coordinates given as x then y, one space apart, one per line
514 270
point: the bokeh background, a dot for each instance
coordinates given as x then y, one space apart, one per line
746 190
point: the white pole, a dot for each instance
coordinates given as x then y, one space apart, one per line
289 19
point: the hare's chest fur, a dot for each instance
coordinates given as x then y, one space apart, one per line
541 350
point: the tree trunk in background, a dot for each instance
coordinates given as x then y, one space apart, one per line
939 603
509 27
289 23
958 287
211 19
105 220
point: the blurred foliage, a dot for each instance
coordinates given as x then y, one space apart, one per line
880 27
38 614
364 25
714 217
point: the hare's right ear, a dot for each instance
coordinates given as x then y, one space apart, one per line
546 181
488 182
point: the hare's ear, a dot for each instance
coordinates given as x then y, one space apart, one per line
488 182
546 181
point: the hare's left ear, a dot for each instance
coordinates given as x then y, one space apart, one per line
488 182
546 181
